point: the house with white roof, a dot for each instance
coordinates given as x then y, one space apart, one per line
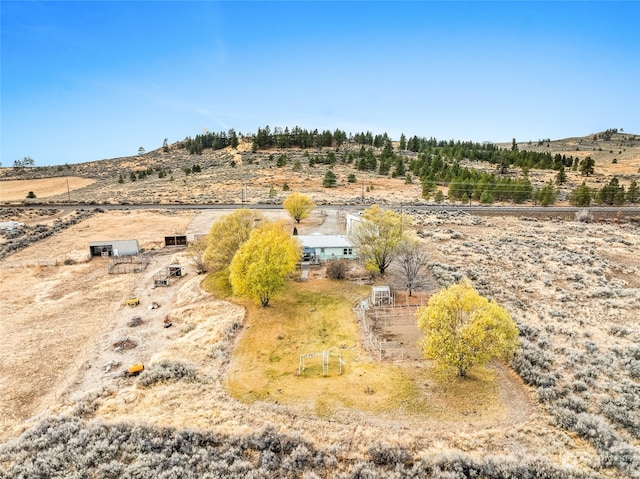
319 248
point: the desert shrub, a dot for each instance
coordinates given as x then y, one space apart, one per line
584 216
167 371
461 466
71 448
533 363
624 410
387 454
336 269
231 330
617 330
631 360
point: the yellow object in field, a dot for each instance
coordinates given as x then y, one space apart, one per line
135 369
133 301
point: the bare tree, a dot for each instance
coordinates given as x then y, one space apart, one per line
195 253
413 261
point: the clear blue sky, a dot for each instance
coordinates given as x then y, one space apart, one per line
87 80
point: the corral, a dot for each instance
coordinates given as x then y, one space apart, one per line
170 273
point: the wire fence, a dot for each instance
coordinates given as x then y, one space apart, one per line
375 319
66 259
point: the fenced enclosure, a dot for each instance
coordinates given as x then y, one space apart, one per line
391 329
128 264
67 259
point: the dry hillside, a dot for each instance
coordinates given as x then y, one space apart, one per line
224 173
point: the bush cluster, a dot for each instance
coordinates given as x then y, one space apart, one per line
26 235
337 269
166 371
71 448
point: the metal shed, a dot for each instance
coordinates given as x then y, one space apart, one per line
114 248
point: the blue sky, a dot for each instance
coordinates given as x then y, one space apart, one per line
88 80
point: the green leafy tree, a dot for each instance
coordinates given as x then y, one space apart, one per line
299 206
329 180
227 234
262 264
463 329
561 177
378 237
581 196
633 193
611 194
587 166
233 138
438 197
141 150
403 142
165 145
547 195
31 195
486 197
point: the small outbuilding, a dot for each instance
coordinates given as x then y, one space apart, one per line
319 248
164 277
381 295
175 240
114 248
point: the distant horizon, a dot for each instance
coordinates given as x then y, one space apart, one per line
252 133
86 81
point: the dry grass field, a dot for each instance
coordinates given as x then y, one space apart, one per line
17 190
220 388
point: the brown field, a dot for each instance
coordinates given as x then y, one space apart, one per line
572 287
16 190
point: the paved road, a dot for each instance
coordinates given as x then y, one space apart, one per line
478 210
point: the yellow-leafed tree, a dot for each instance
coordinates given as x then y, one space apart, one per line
378 237
227 234
462 329
262 264
299 206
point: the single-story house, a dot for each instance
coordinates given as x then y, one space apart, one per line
319 247
114 248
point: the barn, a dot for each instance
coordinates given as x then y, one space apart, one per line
114 248
319 248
